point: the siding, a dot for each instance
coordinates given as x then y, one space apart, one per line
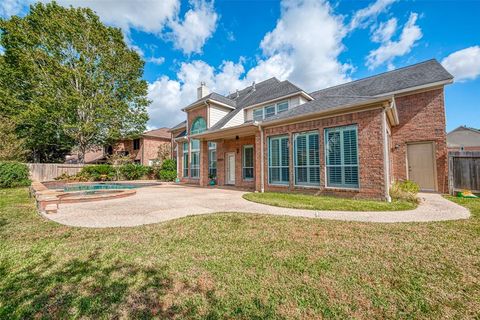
292 103
216 113
237 120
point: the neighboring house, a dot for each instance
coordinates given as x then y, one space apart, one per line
463 139
143 150
353 139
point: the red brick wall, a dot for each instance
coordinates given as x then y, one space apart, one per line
422 118
370 148
149 148
193 114
236 146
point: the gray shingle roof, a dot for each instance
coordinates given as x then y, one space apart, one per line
179 125
422 73
214 96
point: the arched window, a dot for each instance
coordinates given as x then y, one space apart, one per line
198 126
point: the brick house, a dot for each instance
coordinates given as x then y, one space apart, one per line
142 150
352 140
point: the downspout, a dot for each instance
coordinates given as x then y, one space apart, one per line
386 155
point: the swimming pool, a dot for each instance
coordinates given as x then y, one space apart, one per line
105 186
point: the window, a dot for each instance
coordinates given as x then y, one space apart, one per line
212 159
278 171
282 106
266 112
269 111
185 159
136 144
198 126
258 114
195 161
341 152
307 159
247 167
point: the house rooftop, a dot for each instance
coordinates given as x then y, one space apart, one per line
158 133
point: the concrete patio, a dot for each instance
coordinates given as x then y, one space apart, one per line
167 202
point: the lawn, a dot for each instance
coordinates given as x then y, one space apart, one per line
237 266
304 201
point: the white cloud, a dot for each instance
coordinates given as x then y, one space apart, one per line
384 31
464 64
156 60
389 49
363 17
304 46
197 26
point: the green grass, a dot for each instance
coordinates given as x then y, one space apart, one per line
237 266
312 202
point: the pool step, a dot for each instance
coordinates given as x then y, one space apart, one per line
51 208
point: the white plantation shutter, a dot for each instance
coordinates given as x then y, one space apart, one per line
278 162
307 159
341 152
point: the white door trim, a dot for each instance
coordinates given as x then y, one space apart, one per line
434 158
228 169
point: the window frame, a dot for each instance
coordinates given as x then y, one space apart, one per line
185 159
197 131
212 148
136 144
193 166
280 138
248 146
264 110
309 184
342 129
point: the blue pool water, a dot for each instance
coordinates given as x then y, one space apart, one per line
104 186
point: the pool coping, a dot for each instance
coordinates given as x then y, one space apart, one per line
48 200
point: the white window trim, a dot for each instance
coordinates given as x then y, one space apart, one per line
185 163
249 146
192 151
279 184
212 146
309 185
270 105
355 126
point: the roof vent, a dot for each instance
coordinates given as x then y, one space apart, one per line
253 86
202 91
238 93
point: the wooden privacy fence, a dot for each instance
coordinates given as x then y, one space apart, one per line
464 171
49 171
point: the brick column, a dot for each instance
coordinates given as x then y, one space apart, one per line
220 163
258 162
204 163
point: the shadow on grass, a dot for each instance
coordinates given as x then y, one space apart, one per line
3 222
89 288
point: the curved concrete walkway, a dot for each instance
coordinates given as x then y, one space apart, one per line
167 202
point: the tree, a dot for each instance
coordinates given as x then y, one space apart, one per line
72 80
12 148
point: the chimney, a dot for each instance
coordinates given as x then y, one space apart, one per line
253 86
202 91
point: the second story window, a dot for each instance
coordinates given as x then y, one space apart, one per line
136 144
198 126
269 111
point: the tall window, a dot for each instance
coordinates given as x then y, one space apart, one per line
195 162
278 160
247 164
136 144
341 152
198 126
212 159
185 159
307 159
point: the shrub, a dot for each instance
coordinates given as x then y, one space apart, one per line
133 171
99 172
168 170
13 174
405 190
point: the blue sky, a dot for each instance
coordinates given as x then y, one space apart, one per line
314 44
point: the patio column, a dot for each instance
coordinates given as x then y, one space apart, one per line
204 163
258 162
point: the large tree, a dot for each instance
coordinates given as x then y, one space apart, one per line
71 80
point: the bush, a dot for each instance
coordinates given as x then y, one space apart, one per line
133 171
168 170
13 174
99 172
405 190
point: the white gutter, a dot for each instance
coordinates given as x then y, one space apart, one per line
386 158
